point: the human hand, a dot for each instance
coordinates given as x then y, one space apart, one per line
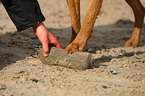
45 38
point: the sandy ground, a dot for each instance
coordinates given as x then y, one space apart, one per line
119 71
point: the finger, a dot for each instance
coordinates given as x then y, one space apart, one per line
41 32
45 49
58 45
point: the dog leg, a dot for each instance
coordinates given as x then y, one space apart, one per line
139 12
87 27
74 8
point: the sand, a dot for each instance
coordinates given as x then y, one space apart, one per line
119 71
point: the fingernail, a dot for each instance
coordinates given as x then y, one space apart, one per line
45 55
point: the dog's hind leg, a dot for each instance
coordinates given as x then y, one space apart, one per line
74 8
139 13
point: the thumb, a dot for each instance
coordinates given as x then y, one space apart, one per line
58 45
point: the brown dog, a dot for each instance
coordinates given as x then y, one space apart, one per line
81 33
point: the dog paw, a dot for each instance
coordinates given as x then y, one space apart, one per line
73 47
131 43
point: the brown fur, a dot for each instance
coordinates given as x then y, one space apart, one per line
81 33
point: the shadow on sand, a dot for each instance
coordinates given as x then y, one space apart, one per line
17 46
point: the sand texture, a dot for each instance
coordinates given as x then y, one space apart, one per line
117 71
